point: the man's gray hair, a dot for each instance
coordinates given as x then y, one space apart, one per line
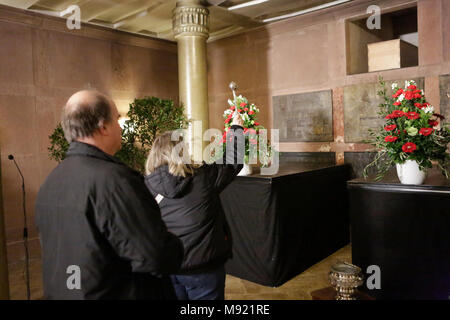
82 118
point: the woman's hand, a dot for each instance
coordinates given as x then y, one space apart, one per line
237 120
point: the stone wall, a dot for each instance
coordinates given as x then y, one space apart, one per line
308 54
444 90
41 64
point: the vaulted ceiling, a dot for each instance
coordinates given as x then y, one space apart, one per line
154 17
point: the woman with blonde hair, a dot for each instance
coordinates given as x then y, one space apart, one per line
188 197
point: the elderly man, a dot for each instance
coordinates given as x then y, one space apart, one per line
101 230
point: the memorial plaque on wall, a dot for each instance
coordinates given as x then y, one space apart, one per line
358 161
325 158
304 117
444 86
361 107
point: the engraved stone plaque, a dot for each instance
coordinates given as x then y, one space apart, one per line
304 117
325 158
358 161
444 86
361 108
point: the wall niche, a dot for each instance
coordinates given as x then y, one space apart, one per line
393 45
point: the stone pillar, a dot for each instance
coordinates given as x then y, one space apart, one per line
191 30
4 284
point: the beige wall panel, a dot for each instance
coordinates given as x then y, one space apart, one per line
15 54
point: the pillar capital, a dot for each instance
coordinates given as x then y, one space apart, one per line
190 18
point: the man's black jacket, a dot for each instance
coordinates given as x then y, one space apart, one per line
192 210
96 216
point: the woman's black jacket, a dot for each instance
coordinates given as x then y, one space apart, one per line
192 210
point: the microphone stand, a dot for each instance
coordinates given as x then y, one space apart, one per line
25 230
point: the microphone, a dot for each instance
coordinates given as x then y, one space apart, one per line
25 228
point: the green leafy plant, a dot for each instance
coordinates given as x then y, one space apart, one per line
410 131
146 118
58 144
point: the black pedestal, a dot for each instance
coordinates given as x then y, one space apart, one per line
283 224
405 230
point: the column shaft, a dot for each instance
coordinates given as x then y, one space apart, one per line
193 86
190 24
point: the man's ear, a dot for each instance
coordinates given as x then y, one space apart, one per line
103 130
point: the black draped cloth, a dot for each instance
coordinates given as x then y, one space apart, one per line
283 224
404 230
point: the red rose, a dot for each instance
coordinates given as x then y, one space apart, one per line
390 138
228 120
242 104
390 128
251 112
256 123
245 109
399 92
398 113
432 123
412 115
409 147
409 95
417 91
398 103
395 114
417 96
412 87
418 105
426 131
245 130
232 108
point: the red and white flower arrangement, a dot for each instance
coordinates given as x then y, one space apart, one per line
411 131
249 113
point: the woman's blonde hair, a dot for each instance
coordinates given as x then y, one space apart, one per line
163 152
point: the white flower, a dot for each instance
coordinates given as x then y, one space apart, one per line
412 131
408 83
401 97
429 109
394 85
231 103
228 111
